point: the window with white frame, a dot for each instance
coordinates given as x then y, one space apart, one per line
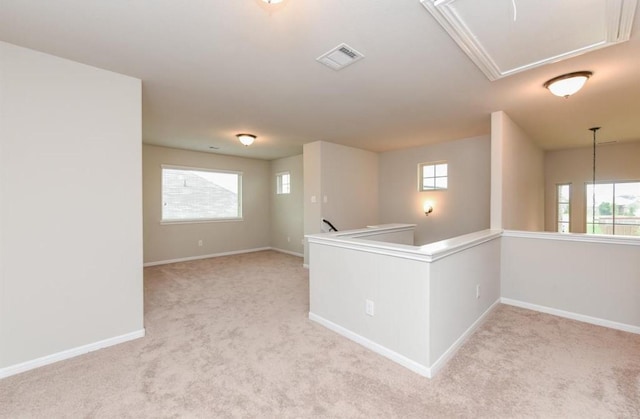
432 176
616 210
190 194
563 207
283 183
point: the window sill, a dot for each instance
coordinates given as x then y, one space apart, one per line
209 220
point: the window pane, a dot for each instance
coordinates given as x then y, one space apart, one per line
441 183
563 212
563 193
604 204
283 183
441 169
433 176
616 209
428 183
627 199
199 195
428 170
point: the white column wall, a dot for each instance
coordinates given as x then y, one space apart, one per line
453 304
71 209
340 282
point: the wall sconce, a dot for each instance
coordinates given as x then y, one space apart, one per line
246 139
428 207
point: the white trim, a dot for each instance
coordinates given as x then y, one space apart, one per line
573 316
574 237
449 353
69 353
200 169
427 253
212 255
618 21
201 220
497 151
288 252
373 346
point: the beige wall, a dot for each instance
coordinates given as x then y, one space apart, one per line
287 209
620 161
461 209
165 242
349 186
70 209
341 185
312 210
517 191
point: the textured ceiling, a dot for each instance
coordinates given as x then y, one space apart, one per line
211 69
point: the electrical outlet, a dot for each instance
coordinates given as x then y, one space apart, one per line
369 307
478 291
288 239
199 242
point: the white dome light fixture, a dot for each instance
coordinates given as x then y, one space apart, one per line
272 1
568 84
246 139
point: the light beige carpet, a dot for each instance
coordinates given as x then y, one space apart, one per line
229 337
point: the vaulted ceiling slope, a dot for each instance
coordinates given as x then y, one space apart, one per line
212 69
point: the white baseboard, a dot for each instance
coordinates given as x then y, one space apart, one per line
573 316
213 255
288 252
375 347
69 353
414 366
449 353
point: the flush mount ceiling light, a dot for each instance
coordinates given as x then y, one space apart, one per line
568 84
272 1
246 139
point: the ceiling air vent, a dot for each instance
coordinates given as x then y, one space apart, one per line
340 57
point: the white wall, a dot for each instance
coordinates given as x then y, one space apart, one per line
453 304
517 191
619 161
342 279
287 223
70 214
577 277
166 242
462 208
424 298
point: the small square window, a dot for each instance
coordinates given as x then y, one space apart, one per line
433 176
283 183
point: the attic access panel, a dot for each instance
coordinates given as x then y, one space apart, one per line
503 37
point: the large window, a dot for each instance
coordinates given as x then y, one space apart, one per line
283 183
617 208
563 210
432 176
190 194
